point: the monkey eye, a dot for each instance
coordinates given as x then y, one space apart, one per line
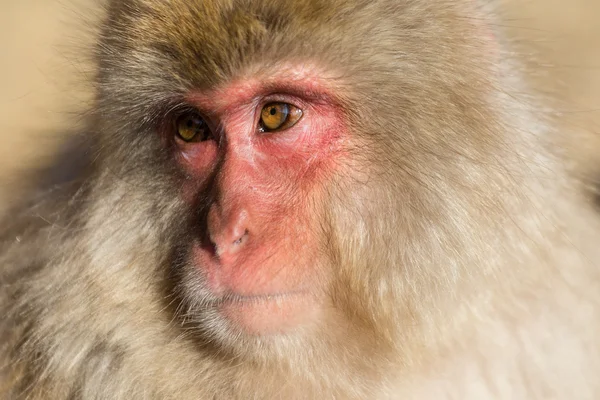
278 117
191 127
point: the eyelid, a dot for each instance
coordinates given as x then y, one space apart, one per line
282 98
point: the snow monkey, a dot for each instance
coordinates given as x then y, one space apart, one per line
308 199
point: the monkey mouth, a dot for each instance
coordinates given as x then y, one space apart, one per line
233 298
244 294
270 314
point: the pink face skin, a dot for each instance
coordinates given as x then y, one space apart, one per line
265 242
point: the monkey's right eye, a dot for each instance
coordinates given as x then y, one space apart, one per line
191 127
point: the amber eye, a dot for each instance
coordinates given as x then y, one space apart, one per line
279 116
191 127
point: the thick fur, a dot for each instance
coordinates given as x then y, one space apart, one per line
465 256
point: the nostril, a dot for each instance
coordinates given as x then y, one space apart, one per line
239 240
228 231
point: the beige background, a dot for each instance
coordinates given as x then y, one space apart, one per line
44 47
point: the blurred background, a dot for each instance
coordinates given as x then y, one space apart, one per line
45 46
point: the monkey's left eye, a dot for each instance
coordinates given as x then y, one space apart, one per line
191 127
279 116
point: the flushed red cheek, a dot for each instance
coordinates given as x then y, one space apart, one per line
305 155
197 160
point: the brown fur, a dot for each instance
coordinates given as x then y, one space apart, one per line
465 256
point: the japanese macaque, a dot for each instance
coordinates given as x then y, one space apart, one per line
305 199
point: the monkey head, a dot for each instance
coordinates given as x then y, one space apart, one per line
288 163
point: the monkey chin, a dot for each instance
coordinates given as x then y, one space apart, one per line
267 315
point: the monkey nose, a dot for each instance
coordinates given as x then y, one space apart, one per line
230 234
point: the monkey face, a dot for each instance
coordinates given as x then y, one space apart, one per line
271 148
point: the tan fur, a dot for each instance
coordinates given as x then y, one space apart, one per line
464 256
